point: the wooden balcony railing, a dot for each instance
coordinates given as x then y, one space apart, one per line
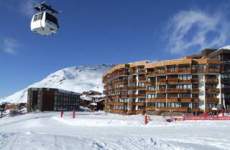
150 108
173 109
212 100
117 103
137 103
184 71
212 90
171 71
172 80
161 81
118 111
156 100
160 71
161 90
185 100
172 90
211 80
151 74
172 99
185 81
137 95
150 91
195 90
195 80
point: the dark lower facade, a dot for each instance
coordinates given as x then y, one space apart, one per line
50 99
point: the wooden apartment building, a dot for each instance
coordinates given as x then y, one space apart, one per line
197 83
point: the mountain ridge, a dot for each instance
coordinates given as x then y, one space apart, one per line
74 78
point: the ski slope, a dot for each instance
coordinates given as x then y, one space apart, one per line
101 131
76 79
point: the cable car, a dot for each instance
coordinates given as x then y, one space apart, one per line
45 21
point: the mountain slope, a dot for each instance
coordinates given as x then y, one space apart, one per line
77 79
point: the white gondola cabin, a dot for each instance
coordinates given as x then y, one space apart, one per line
45 21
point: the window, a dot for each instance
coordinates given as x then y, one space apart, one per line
51 18
38 17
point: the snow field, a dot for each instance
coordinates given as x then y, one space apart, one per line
101 131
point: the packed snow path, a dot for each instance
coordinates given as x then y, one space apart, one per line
101 131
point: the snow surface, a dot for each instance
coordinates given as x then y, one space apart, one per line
76 79
101 131
225 47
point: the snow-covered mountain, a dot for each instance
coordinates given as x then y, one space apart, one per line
76 79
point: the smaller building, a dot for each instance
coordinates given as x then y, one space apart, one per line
93 100
50 99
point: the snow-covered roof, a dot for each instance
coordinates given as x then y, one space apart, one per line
93 104
227 47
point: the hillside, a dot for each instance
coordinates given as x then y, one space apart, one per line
77 79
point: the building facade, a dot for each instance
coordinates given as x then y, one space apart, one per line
49 99
197 83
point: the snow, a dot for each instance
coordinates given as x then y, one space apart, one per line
86 98
76 79
226 47
97 98
102 131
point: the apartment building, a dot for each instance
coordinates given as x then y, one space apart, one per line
197 83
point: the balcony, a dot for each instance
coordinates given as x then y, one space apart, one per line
185 81
136 88
184 90
142 79
141 71
161 81
212 80
151 74
195 90
162 90
136 95
150 91
212 70
150 108
172 90
212 90
132 80
160 72
207 70
149 83
213 100
195 80
115 96
137 103
195 110
132 112
118 111
184 71
172 99
156 100
172 71
172 80
116 103
188 100
172 109
175 90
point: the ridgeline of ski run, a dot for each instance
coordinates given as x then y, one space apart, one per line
76 79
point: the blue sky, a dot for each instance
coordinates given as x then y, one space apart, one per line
105 32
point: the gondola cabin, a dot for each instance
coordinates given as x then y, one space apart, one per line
45 21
